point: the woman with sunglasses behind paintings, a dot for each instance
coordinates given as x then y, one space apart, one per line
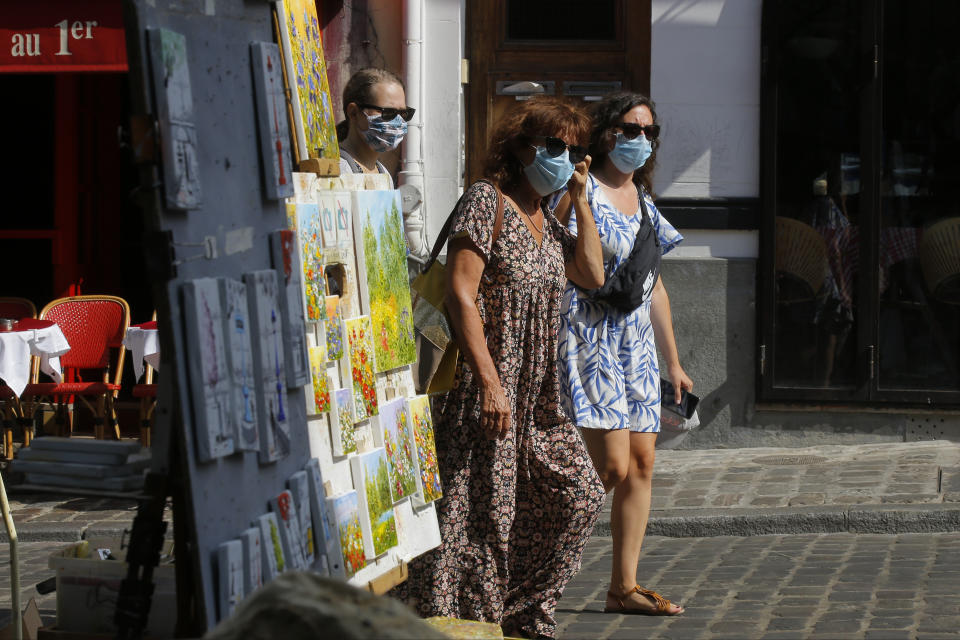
608 341
520 494
377 116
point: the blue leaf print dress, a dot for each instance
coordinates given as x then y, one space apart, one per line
608 359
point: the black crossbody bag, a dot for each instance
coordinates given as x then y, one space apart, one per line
624 290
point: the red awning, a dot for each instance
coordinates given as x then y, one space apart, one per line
62 35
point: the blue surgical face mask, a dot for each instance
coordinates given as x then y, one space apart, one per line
548 173
384 135
629 155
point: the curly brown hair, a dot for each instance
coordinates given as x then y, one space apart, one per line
527 119
607 113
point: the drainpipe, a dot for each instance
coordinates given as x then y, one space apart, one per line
411 175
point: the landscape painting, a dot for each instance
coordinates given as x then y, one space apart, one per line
372 480
421 425
209 372
334 328
236 330
344 429
263 298
384 280
321 383
361 358
346 511
399 448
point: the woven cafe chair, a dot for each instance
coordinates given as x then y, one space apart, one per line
146 392
93 326
940 259
801 254
15 308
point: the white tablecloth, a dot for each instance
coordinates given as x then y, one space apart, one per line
144 345
16 347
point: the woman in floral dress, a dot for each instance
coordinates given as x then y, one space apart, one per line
520 493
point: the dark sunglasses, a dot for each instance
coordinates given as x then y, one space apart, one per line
631 130
389 113
556 146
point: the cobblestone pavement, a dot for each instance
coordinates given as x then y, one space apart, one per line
779 587
33 569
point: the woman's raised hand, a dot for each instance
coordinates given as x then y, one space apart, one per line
577 186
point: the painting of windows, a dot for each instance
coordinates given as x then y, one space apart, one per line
230 576
236 331
263 299
286 262
324 527
420 423
299 488
321 383
384 281
399 448
372 480
252 559
346 511
344 428
209 372
300 36
328 201
360 365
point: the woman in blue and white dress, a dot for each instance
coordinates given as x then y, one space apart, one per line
610 382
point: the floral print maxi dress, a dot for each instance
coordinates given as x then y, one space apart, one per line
517 511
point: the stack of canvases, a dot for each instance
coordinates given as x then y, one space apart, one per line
378 453
83 464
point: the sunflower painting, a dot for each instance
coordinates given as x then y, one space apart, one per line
421 425
359 341
307 71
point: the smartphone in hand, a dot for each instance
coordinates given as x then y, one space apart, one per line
688 401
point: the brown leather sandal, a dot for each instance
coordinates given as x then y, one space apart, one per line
662 604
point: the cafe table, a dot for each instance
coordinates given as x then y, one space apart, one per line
31 337
143 342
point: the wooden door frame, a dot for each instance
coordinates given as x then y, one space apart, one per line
632 56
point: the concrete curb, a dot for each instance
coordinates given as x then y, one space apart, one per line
884 518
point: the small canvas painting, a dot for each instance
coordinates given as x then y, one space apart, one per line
399 448
360 352
384 281
420 424
328 217
210 388
324 527
230 576
263 298
299 487
252 559
302 42
346 511
286 262
290 536
334 328
310 234
321 383
344 428
274 561
236 322
371 477
272 120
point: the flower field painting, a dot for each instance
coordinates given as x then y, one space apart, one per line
308 226
346 512
420 424
360 350
334 328
399 448
307 70
371 477
321 383
344 428
384 281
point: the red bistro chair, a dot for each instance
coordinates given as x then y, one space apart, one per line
10 409
92 325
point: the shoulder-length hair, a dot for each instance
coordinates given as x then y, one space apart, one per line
538 116
607 113
359 89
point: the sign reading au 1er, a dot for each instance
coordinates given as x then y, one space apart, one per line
62 35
